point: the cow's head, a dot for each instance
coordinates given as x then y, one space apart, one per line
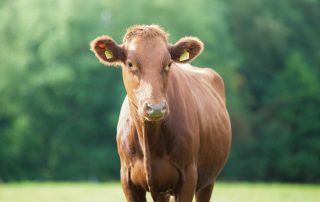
146 59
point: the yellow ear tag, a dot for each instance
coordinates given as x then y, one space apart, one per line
108 54
184 56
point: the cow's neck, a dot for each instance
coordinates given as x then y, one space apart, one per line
149 139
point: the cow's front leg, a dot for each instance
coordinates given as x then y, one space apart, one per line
188 186
133 193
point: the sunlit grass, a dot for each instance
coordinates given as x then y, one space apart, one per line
266 193
111 192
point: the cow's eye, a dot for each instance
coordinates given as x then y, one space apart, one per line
130 65
167 68
132 68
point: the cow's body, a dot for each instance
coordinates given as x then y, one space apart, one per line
174 131
196 134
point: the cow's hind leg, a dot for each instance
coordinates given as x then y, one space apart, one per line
204 195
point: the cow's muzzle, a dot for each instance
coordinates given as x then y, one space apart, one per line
155 111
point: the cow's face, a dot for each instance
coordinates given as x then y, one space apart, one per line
145 76
146 61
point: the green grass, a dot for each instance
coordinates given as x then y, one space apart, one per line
111 192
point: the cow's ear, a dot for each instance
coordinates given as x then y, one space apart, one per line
107 50
186 49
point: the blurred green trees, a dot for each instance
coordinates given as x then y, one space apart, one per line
59 106
280 62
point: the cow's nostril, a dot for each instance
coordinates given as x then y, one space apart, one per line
164 107
149 107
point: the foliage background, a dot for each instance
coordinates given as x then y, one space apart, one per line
59 106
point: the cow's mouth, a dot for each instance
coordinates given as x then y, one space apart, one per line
158 117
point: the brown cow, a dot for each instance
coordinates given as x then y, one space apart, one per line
174 130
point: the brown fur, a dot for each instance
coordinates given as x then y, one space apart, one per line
191 44
100 44
181 152
145 31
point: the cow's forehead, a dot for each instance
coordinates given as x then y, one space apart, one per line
146 42
152 49
145 31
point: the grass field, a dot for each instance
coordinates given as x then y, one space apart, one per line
111 192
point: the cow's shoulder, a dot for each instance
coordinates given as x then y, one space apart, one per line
217 82
206 75
126 133
124 121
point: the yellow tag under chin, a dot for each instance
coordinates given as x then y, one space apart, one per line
108 54
184 56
